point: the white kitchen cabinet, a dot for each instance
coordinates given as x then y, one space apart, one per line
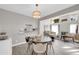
6 47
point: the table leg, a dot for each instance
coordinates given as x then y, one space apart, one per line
73 39
64 39
47 49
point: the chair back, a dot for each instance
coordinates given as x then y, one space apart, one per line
27 39
77 36
39 47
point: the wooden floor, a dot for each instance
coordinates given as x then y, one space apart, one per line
60 48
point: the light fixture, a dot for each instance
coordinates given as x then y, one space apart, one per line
36 13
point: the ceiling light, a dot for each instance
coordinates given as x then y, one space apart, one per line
36 13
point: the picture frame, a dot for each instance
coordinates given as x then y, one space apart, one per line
73 18
56 20
63 20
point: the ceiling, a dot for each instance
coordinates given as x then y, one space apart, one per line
27 9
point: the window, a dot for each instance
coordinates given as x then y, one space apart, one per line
73 28
55 29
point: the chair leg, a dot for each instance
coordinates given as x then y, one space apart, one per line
46 52
47 49
53 49
28 48
33 52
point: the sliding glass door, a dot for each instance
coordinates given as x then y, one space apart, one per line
73 28
55 28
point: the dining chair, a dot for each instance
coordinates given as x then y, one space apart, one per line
50 44
39 48
77 38
29 43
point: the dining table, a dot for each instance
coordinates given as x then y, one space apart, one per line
43 40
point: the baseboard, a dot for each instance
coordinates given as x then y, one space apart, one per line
18 44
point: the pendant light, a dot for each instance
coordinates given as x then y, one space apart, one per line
36 13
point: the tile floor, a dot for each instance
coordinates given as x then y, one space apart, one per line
60 48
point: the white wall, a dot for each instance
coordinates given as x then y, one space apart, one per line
12 22
42 24
0 27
